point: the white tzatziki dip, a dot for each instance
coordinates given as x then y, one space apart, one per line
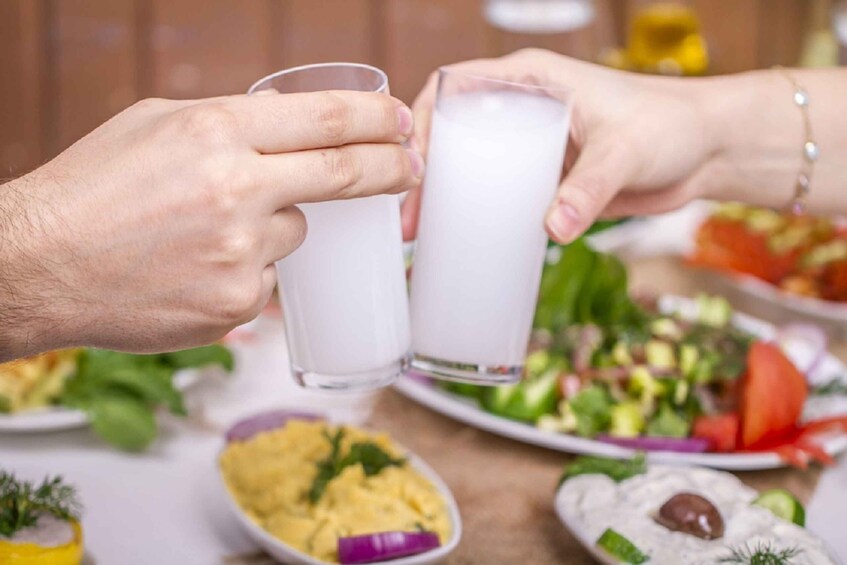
589 504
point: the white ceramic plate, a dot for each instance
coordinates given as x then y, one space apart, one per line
55 418
284 553
814 307
467 411
565 510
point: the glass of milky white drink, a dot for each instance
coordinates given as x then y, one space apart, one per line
495 158
343 291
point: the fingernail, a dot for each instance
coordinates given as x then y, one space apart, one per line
416 162
563 222
266 92
405 120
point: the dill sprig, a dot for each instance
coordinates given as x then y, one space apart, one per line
22 502
763 553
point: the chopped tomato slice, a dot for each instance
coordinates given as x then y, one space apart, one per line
728 245
721 430
772 395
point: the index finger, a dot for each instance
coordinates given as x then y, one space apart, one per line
280 123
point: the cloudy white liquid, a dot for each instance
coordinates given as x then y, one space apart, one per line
495 159
344 290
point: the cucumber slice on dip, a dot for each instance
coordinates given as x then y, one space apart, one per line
620 548
783 504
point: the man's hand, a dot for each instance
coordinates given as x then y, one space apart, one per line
159 229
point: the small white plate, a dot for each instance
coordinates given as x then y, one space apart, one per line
55 418
580 530
467 411
284 553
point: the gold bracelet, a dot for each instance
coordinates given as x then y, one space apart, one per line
810 147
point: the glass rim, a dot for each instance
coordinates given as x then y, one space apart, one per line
382 75
566 90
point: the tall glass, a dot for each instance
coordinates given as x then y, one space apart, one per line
494 162
343 290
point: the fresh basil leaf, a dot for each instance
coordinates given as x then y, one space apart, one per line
122 421
582 287
214 354
560 288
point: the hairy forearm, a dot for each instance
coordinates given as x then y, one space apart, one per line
757 133
24 325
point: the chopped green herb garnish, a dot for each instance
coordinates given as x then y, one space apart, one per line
616 469
761 554
369 455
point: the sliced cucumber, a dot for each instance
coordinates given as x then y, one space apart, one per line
783 504
620 548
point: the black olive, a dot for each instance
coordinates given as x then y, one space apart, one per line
691 514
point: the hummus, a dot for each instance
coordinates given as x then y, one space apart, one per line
270 476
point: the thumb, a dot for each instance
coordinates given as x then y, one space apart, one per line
597 176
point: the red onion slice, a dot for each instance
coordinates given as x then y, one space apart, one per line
418 377
810 345
655 443
371 548
265 421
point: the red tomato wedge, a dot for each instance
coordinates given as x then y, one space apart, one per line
721 430
772 396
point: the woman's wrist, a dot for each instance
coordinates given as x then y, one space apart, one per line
756 135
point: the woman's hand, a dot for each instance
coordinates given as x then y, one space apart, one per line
159 230
638 144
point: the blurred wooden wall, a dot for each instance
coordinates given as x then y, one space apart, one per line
67 65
